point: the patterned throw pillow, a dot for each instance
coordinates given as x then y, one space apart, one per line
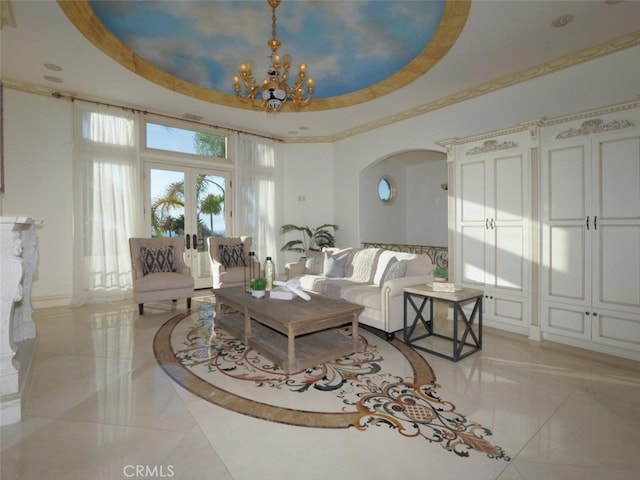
156 260
395 269
231 255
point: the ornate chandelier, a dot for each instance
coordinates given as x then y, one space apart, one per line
275 89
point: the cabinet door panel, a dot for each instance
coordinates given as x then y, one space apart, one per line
472 254
509 189
618 329
472 184
567 320
619 265
566 273
618 174
509 257
565 177
509 310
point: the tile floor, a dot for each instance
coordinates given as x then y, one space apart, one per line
99 407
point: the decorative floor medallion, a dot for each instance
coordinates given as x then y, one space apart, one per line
385 384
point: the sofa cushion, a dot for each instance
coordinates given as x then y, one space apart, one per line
155 260
333 287
231 255
334 265
364 264
366 295
163 281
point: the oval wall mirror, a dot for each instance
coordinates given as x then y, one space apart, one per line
386 190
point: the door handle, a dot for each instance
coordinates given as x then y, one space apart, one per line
188 240
587 222
195 241
595 222
486 223
493 224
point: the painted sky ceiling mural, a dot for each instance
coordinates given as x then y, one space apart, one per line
347 45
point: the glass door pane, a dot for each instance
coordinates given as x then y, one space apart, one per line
210 220
188 202
167 211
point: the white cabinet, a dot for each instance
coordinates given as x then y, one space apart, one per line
590 234
492 226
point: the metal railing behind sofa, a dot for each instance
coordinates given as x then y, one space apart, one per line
439 255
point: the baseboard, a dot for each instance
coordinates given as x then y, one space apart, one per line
535 333
51 301
595 347
520 330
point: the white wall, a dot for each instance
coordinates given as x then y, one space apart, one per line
383 222
309 190
38 183
419 213
427 213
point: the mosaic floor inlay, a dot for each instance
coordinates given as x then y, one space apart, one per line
385 384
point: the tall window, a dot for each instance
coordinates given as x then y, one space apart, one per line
185 140
107 206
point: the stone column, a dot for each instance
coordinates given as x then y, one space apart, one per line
18 263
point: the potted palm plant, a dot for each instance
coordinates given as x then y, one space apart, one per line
312 238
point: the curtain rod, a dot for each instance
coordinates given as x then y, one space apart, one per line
61 96
73 98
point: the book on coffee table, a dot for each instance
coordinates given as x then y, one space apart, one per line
281 294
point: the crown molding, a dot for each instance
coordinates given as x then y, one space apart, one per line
570 60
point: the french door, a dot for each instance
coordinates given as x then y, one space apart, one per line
190 202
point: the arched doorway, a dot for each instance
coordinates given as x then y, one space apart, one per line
416 213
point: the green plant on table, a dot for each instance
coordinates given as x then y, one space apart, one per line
440 272
259 283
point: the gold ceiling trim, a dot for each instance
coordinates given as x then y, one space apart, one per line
552 66
454 18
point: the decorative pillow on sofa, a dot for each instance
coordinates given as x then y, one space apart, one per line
334 265
395 269
363 264
231 255
156 260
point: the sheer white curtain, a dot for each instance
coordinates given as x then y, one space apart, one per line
107 203
258 194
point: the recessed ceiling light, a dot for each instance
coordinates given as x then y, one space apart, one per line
53 67
292 132
304 128
613 2
50 78
562 20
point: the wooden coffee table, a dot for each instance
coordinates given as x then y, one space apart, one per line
295 334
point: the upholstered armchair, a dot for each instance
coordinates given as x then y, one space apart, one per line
228 256
159 271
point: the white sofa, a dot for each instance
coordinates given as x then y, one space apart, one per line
365 280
